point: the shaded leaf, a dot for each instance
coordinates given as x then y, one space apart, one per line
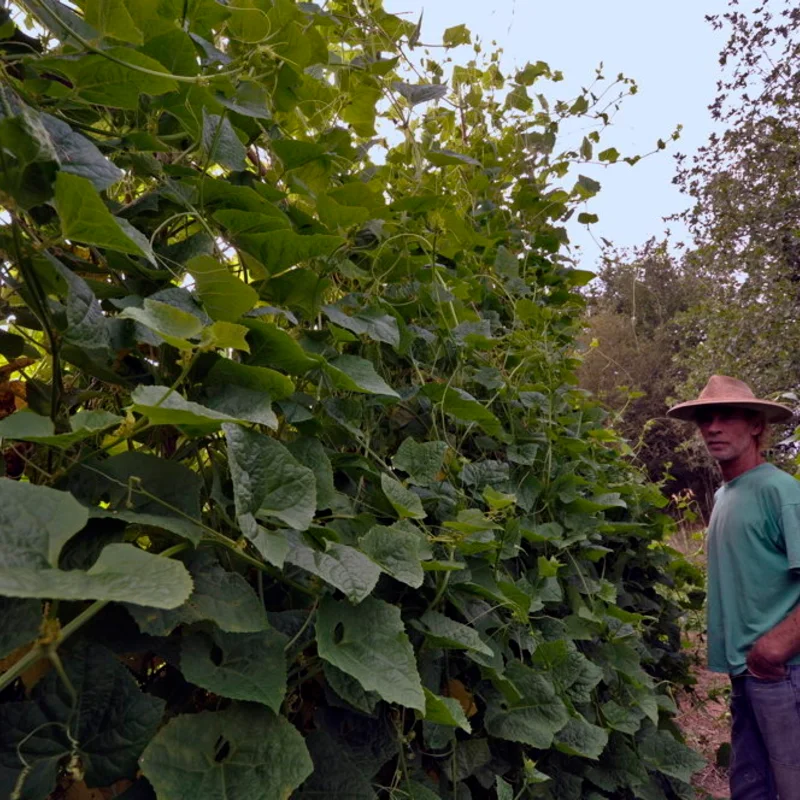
244 751
371 322
532 715
172 324
356 374
580 738
19 623
30 427
369 643
220 142
340 565
223 295
421 461
79 155
445 711
242 666
108 728
267 480
404 501
221 596
85 219
122 573
397 551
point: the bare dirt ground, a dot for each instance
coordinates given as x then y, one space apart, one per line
705 721
703 714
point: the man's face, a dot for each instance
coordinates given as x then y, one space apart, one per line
728 432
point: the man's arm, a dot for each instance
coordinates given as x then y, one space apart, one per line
768 656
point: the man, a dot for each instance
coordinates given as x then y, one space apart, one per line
753 550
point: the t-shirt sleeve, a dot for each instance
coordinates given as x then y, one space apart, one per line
790 524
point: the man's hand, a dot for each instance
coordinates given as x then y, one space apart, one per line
766 659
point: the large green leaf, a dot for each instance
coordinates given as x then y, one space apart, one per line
369 642
224 296
98 79
30 161
422 461
281 249
243 404
112 18
463 407
268 481
310 452
224 371
221 145
141 482
446 633
356 374
244 751
371 322
84 218
532 713
218 595
243 666
580 738
172 324
340 565
30 427
662 751
122 573
350 690
397 551
165 407
445 711
35 523
274 347
405 502
78 155
87 327
106 725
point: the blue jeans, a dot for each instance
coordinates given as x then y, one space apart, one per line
765 739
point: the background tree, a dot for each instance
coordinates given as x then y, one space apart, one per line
635 344
745 217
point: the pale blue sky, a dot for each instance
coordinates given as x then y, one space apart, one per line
669 49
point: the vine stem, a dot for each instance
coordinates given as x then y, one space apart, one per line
48 649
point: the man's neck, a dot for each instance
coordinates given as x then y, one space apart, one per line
733 469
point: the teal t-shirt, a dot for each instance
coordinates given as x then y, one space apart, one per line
753 551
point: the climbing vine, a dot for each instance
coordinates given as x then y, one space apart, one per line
300 497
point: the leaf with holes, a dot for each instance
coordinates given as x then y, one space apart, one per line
369 643
244 751
242 666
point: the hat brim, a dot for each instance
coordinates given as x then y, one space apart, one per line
774 412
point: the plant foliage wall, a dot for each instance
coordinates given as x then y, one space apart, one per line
300 496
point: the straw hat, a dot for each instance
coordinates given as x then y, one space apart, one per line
724 391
